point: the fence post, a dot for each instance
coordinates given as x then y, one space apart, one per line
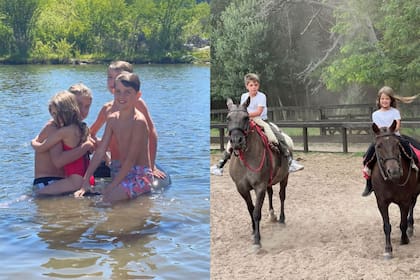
305 140
344 137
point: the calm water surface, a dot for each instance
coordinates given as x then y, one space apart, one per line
161 236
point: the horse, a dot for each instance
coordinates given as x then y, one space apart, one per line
254 166
394 181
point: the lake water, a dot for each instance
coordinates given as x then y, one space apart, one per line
161 236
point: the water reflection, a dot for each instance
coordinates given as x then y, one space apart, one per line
97 238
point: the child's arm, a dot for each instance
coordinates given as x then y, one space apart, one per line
153 137
52 139
397 128
256 113
61 158
100 120
96 160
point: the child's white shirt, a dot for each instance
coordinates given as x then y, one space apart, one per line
259 100
385 118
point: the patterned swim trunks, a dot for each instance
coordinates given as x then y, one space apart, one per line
138 181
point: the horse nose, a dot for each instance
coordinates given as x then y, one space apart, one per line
394 173
237 140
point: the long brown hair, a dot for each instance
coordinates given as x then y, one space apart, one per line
394 98
68 112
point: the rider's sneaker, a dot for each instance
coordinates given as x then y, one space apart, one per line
216 170
295 166
367 172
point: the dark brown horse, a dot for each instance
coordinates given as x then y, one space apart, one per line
394 181
253 166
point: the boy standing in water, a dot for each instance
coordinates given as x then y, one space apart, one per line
49 164
114 69
128 127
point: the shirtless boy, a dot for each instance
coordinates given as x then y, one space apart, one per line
129 127
114 69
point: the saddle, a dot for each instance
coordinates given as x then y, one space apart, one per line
282 148
417 152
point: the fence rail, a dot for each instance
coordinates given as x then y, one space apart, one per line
344 127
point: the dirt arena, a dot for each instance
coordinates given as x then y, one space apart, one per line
331 232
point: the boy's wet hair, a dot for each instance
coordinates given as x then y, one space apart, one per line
120 66
80 89
251 77
129 80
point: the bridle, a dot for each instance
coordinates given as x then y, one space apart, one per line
251 127
243 130
382 161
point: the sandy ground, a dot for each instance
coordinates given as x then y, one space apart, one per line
331 232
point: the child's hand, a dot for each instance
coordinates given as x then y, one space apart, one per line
89 145
84 189
158 173
79 193
35 144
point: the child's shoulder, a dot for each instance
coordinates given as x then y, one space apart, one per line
141 105
108 104
48 128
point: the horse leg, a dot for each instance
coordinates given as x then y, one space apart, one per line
272 216
260 195
282 194
404 209
247 197
410 219
387 229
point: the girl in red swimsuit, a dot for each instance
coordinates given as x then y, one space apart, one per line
72 132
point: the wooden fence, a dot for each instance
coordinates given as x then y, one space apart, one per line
344 127
332 120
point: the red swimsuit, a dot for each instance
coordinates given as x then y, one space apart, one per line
79 166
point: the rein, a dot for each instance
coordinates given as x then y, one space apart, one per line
253 127
398 159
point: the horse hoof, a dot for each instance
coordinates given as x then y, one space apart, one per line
256 248
410 232
272 217
388 255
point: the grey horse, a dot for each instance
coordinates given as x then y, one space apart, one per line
254 166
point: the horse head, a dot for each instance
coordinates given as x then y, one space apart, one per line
238 123
388 155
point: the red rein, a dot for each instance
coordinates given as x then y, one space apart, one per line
254 127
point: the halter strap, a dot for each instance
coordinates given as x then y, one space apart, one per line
254 127
384 176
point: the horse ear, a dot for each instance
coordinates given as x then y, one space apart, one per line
393 126
229 103
375 128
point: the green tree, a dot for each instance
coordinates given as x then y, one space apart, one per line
171 16
238 44
18 15
381 46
